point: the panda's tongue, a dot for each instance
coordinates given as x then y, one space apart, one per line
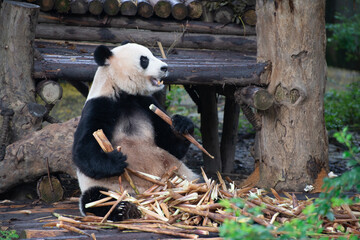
156 82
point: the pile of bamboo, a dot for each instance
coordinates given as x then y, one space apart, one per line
177 207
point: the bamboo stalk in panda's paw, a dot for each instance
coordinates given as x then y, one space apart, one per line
106 146
167 119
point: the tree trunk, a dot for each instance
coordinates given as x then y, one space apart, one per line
16 53
293 139
25 160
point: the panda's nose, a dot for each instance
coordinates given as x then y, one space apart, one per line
164 68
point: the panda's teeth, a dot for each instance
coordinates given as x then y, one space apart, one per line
160 82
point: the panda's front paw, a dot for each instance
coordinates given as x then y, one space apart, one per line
118 160
182 124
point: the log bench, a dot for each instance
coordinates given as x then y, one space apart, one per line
203 73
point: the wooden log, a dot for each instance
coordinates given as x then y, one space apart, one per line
111 7
162 8
114 35
79 6
249 17
224 15
179 10
50 189
96 6
46 5
255 97
149 24
25 159
145 9
128 8
17 86
240 74
229 134
195 9
49 91
62 6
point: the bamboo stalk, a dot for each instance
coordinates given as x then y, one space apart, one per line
114 206
168 120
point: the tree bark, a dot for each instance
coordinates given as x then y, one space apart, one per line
25 160
293 139
16 53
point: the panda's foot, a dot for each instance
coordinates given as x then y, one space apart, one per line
124 210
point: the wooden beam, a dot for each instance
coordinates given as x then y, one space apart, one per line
209 128
229 133
192 71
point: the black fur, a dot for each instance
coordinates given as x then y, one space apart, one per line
102 53
104 113
144 62
124 210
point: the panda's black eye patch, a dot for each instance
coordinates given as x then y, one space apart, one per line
144 62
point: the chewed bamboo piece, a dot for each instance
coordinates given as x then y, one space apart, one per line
168 120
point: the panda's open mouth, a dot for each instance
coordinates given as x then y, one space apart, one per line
156 82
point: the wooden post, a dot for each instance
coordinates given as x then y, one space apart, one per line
209 129
293 140
229 134
17 89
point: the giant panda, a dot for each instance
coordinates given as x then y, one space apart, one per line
118 102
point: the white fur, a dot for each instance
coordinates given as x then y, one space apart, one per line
124 71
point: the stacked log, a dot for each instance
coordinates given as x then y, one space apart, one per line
176 9
162 8
145 9
128 8
95 7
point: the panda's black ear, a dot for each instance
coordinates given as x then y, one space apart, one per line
101 54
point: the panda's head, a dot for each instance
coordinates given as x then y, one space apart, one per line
131 68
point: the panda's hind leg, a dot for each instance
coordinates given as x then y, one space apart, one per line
124 210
